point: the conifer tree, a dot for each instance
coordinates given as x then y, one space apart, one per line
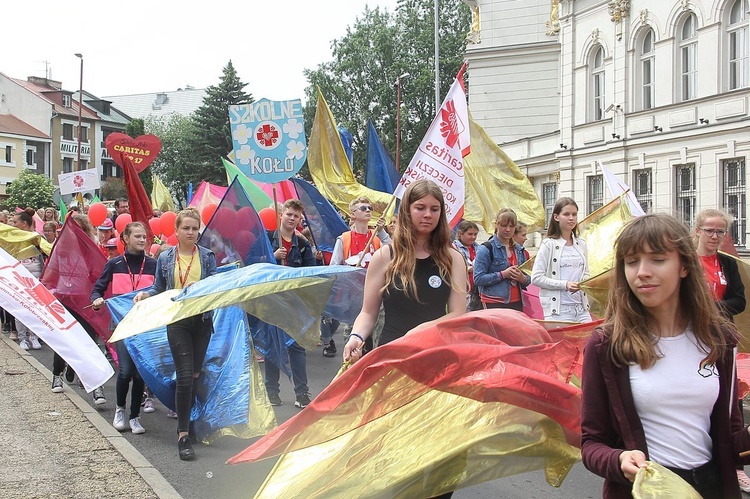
211 135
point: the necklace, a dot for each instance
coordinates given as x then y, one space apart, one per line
183 278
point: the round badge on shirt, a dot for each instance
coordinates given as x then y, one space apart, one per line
435 281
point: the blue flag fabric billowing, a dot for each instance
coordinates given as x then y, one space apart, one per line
235 232
347 140
231 399
380 172
190 192
324 221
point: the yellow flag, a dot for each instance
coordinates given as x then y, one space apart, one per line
330 168
161 199
493 181
22 244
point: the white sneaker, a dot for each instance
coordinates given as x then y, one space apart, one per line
744 481
24 344
57 384
119 421
171 414
148 406
35 342
135 425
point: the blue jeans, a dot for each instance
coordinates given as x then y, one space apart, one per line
298 363
126 372
327 328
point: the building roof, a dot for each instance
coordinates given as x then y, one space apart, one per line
51 94
104 109
181 101
12 125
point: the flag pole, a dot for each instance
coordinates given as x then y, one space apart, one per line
374 232
278 217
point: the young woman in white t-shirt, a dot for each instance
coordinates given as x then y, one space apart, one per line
659 376
560 265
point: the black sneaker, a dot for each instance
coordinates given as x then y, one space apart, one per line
185 448
330 349
275 399
302 400
70 374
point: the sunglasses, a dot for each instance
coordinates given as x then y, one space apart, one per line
365 207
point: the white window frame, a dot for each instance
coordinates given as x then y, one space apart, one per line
67 100
595 192
734 196
69 163
32 163
647 66
549 198
738 49
643 188
686 194
598 82
688 58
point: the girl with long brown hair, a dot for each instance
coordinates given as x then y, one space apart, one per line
659 376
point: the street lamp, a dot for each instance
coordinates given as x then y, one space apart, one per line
80 107
398 121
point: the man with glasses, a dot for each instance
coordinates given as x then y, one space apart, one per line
355 247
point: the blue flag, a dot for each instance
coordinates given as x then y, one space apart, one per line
380 172
324 221
235 232
190 192
347 140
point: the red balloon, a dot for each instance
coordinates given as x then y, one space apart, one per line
247 218
155 224
167 221
154 248
242 241
122 221
208 212
172 240
120 245
97 214
269 218
225 222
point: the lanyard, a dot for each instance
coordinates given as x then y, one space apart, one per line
183 278
133 282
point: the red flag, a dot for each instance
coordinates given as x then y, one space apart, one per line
71 271
140 203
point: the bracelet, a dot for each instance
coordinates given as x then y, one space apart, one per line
358 336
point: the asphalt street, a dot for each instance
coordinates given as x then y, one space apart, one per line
209 476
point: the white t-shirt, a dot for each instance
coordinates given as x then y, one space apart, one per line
571 269
674 400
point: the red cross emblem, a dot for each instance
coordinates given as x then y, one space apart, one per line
78 180
267 135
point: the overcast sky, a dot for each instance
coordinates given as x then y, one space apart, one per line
161 45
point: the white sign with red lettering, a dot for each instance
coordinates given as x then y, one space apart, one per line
441 152
81 181
23 296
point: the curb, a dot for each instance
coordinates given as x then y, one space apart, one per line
153 478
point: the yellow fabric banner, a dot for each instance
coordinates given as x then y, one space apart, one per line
22 244
161 199
330 168
493 181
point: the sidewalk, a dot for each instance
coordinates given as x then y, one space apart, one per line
57 446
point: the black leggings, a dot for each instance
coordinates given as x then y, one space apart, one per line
188 341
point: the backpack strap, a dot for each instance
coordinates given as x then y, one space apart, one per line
490 246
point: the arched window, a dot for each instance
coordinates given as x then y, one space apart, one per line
647 70
688 58
597 84
739 57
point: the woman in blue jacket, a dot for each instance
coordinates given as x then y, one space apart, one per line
177 268
496 267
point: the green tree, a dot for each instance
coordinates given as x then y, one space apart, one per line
172 163
359 83
135 129
113 188
30 190
211 136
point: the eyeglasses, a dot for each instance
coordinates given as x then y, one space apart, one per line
364 207
714 232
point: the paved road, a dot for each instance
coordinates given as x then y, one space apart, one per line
209 477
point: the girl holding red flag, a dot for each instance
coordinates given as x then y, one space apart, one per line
659 376
177 268
126 273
